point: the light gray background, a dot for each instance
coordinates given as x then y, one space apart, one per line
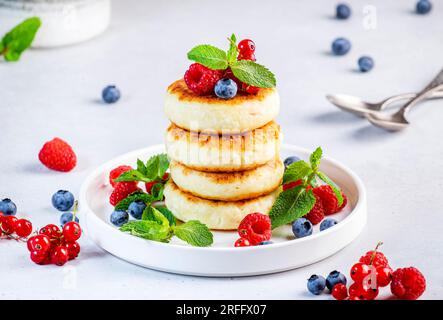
56 93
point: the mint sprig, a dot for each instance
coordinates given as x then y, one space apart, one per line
246 71
159 225
296 202
20 38
154 170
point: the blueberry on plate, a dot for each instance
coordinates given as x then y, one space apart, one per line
111 94
365 63
302 228
263 243
119 218
66 217
341 46
225 88
136 209
334 278
8 207
327 223
290 160
63 200
316 284
423 6
343 11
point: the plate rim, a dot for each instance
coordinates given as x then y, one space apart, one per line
86 210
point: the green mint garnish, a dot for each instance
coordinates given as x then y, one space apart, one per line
296 202
154 170
148 214
246 71
195 233
148 229
19 39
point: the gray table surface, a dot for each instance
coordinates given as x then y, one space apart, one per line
57 93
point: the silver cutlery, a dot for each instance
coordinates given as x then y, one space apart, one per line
360 108
397 121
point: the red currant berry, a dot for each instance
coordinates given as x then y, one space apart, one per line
355 290
23 228
149 185
40 243
51 230
384 276
59 255
246 46
72 231
73 249
242 242
339 291
9 223
250 57
359 271
354 298
368 293
39 258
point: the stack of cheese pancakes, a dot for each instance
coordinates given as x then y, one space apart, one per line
224 155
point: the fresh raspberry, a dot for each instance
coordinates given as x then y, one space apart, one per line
149 185
255 227
345 201
115 173
328 198
202 80
58 155
121 191
317 213
408 283
379 259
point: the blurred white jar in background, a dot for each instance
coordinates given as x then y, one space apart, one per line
64 22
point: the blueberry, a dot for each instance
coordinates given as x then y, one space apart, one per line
423 6
8 207
111 94
335 277
119 218
343 11
63 200
341 46
136 208
225 88
290 160
365 63
263 243
66 217
327 223
316 284
302 228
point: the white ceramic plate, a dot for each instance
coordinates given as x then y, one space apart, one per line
222 259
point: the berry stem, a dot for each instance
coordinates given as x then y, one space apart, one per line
375 252
74 212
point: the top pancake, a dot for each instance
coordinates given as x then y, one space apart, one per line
210 114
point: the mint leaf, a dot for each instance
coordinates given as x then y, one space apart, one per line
135 196
147 229
151 213
296 171
233 50
291 205
333 186
209 56
19 39
315 158
195 233
157 191
154 170
141 167
253 74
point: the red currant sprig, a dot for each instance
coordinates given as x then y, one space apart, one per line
13 228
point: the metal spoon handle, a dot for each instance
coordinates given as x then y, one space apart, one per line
434 85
